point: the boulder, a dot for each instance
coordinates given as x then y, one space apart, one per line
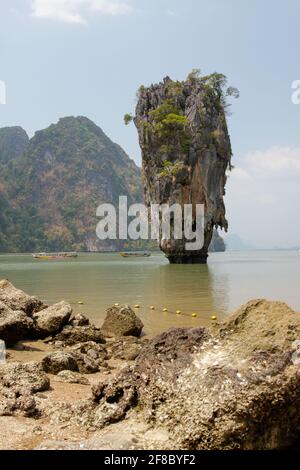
23 378
16 299
71 335
121 321
126 348
90 357
51 320
14 327
23 405
235 386
71 377
58 361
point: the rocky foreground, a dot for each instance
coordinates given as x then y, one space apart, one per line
70 385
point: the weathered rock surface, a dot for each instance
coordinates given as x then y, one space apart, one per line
79 320
90 357
51 320
127 348
121 321
71 377
86 358
23 316
234 387
186 151
18 383
19 376
58 361
71 335
16 299
4 309
23 405
14 326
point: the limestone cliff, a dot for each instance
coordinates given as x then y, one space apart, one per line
51 185
186 151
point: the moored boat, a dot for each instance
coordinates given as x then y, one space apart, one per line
138 254
48 256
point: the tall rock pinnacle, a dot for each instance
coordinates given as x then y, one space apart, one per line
186 151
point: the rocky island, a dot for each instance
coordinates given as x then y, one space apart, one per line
186 151
67 384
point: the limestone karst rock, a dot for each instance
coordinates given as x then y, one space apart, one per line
121 321
186 152
233 386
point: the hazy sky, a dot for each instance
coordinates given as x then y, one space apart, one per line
88 57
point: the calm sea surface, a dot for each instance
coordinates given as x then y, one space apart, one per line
100 280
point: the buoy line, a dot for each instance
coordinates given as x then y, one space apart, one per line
163 310
174 312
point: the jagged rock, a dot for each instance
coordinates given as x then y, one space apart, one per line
14 327
86 358
90 357
127 348
19 377
186 151
58 361
71 335
71 377
23 405
115 400
51 320
16 299
236 386
121 321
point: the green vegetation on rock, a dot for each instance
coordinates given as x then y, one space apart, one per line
51 187
170 168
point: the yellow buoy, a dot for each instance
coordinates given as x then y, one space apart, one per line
165 309
117 305
178 312
80 302
151 307
213 317
136 306
194 315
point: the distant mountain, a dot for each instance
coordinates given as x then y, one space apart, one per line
51 185
234 243
13 143
217 243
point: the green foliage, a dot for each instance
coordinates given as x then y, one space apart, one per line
170 169
215 85
194 75
164 110
165 149
233 91
168 122
128 118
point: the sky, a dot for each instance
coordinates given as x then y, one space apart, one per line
88 57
